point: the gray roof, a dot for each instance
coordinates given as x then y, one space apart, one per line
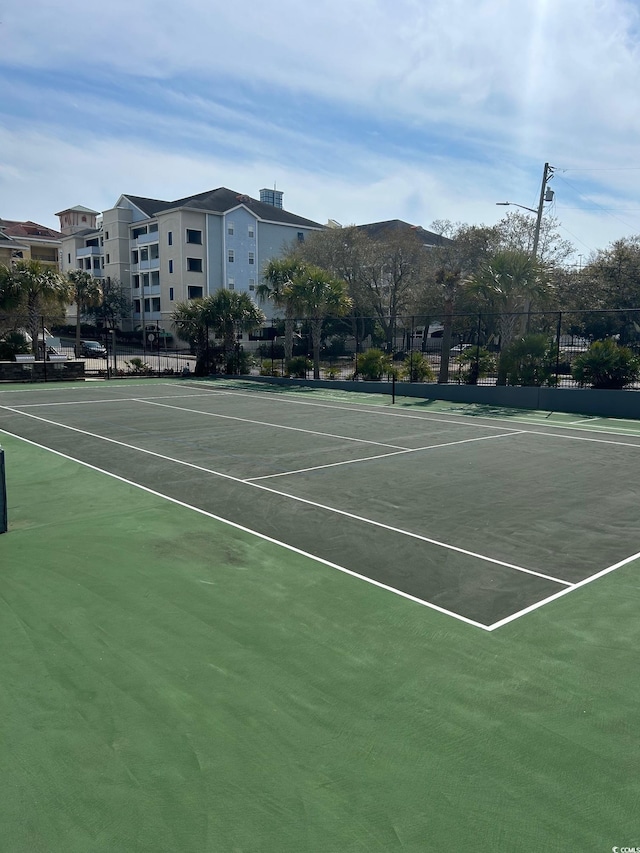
222 200
394 226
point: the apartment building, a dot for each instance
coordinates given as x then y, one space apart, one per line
28 241
166 252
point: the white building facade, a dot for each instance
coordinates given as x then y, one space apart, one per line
167 252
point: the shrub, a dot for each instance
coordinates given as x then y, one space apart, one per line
12 344
417 368
606 365
530 361
269 368
239 363
373 364
298 366
477 363
138 366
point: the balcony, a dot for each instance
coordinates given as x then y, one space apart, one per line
145 239
88 251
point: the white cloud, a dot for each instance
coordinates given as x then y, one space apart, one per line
360 111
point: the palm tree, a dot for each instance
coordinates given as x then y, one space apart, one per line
509 283
86 293
229 313
190 325
279 277
36 287
319 296
226 313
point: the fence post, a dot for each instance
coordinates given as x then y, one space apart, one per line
559 329
44 350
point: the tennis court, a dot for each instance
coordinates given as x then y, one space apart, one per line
247 618
482 517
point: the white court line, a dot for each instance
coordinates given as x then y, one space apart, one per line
582 420
266 423
105 400
297 499
382 409
562 592
262 536
383 456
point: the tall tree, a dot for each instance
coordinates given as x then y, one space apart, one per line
190 325
225 313
229 313
279 276
36 288
114 305
506 284
319 296
85 292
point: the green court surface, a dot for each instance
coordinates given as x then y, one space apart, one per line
263 620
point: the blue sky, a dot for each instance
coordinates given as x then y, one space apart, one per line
359 110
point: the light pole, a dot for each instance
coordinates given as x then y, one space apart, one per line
545 195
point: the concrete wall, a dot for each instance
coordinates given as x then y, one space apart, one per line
587 401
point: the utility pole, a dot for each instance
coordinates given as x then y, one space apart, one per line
545 195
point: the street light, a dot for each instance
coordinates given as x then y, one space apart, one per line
545 195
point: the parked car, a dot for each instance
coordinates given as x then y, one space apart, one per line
460 348
92 349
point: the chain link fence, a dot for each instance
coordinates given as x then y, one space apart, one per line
537 348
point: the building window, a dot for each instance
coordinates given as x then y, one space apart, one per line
251 257
194 292
251 231
170 238
136 306
232 256
106 235
108 258
96 263
155 304
144 254
155 279
136 281
135 256
153 227
147 306
138 231
230 229
252 287
231 283
69 258
170 294
154 252
194 264
170 266
300 237
145 279
194 236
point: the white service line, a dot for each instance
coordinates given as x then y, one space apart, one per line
384 410
297 499
105 400
562 592
248 530
382 456
266 423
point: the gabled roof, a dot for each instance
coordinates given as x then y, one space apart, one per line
395 226
78 209
222 200
28 229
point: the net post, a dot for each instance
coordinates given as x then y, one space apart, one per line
3 496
